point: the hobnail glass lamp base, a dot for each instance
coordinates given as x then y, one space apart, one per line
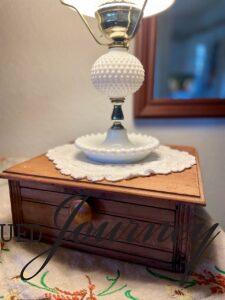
117 147
117 74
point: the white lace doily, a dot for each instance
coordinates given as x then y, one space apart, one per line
164 160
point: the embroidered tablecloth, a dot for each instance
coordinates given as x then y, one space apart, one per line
73 275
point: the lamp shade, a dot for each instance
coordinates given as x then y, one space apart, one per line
89 7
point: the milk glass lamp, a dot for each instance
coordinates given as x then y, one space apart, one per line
117 74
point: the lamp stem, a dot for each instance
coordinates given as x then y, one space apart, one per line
117 114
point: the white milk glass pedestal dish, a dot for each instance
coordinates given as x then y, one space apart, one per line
106 148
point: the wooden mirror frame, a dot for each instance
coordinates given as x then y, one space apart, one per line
145 106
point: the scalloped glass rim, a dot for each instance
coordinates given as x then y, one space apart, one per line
89 7
94 142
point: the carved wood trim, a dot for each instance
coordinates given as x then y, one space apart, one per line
182 247
16 202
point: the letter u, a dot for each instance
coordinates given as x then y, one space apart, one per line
3 237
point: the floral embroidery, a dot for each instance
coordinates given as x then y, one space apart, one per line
179 293
211 277
17 290
187 284
110 290
87 294
43 285
215 282
129 296
83 294
13 295
3 248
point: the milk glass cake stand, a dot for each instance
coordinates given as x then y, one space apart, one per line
117 74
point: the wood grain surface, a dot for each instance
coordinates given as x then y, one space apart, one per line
37 189
185 186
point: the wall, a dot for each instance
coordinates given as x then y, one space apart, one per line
46 97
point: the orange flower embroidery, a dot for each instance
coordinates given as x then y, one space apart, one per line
87 294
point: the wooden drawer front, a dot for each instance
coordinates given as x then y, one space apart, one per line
115 208
33 213
123 197
119 246
153 263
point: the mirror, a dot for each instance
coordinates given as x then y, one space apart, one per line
183 53
190 59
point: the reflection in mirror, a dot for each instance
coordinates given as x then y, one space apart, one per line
190 51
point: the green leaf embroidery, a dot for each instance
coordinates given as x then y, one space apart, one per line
164 277
43 285
114 281
219 270
129 296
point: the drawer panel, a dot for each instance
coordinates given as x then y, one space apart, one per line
116 208
136 199
153 263
33 214
116 246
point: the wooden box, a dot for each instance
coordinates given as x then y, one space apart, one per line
37 189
